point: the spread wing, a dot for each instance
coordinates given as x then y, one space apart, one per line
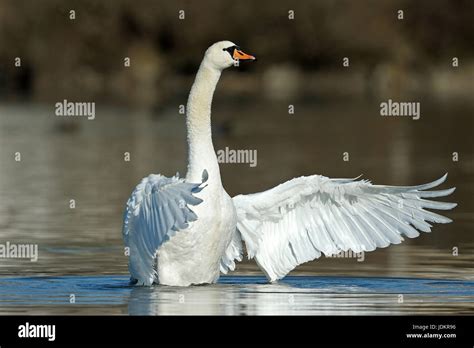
300 219
157 209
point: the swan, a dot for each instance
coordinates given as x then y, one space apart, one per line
185 231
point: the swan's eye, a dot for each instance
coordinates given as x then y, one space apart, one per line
230 50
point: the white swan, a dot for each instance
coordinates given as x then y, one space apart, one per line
187 231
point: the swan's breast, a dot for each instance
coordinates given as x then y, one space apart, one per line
193 255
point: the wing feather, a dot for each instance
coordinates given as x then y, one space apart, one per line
306 217
157 208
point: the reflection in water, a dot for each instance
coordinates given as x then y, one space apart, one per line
275 299
305 296
222 299
186 301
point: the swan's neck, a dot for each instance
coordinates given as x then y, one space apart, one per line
201 154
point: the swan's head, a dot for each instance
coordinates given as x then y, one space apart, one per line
224 54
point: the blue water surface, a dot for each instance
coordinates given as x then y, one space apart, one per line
237 295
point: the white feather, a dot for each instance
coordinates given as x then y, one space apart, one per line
305 217
156 209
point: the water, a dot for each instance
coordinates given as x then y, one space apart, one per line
237 295
81 252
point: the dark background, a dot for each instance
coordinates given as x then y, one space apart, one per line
83 58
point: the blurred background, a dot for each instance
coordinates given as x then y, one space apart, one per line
300 63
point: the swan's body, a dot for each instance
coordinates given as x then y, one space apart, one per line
187 231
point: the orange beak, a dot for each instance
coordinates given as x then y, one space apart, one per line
238 54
